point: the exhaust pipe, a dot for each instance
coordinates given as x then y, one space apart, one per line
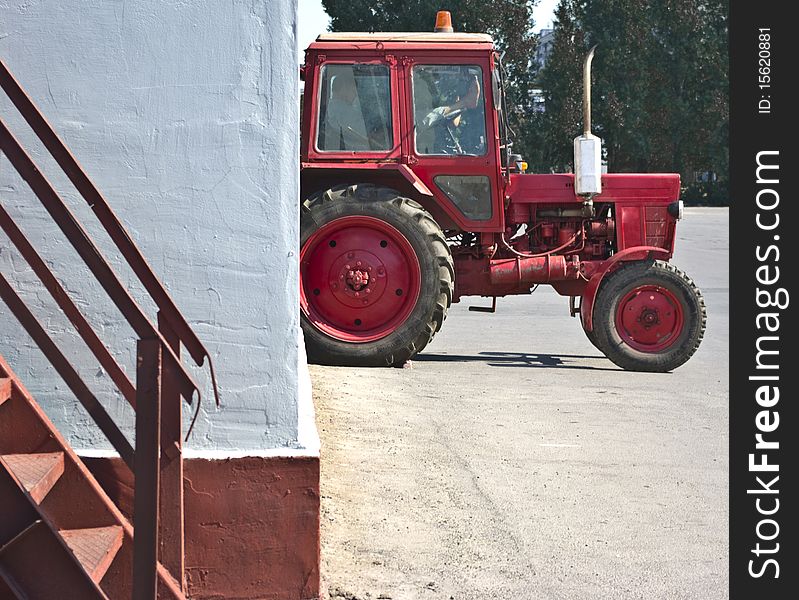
587 149
589 58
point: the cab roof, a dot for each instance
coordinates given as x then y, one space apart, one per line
407 36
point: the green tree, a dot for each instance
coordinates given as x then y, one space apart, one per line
509 22
660 84
549 137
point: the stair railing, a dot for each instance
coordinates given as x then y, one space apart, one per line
161 378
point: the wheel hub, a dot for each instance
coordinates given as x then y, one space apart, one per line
360 278
649 318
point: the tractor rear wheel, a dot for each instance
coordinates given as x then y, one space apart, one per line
649 316
376 276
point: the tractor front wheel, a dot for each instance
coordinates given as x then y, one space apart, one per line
590 335
648 316
376 276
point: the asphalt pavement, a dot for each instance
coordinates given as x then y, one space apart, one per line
512 460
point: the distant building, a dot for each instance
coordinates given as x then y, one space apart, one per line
537 99
546 41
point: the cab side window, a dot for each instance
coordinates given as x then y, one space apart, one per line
354 109
449 110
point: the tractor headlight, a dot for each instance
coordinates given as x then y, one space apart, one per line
676 209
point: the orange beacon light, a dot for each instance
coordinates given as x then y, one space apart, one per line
443 22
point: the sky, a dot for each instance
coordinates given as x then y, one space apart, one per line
313 20
543 14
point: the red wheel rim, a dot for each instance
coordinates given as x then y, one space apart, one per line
649 318
360 279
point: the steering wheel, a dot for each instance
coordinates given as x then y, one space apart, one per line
440 119
450 116
437 119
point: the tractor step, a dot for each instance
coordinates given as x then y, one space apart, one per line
486 309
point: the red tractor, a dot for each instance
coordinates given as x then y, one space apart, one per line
413 200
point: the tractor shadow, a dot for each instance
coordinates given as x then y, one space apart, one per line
516 359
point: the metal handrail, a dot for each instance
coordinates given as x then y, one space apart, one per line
88 251
107 218
66 371
68 307
161 378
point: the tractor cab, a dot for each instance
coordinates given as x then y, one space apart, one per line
420 106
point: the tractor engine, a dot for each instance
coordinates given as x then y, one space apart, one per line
555 230
546 244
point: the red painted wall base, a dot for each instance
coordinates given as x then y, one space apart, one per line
252 524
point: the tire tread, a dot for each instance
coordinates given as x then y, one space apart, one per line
626 357
416 214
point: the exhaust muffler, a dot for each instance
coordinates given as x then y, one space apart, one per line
587 149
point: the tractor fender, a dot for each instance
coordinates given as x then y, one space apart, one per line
592 287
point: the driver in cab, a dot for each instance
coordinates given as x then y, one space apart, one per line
451 126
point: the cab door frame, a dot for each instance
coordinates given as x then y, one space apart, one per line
426 167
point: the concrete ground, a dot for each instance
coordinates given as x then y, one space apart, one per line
512 460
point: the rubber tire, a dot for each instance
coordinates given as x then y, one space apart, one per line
591 335
617 285
435 262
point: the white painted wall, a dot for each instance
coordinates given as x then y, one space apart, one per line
185 114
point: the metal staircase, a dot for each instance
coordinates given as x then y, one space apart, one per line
61 537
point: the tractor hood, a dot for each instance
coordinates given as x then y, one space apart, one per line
633 188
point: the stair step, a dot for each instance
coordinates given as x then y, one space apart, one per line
5 389
94 548
37 473
50 561
35 564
